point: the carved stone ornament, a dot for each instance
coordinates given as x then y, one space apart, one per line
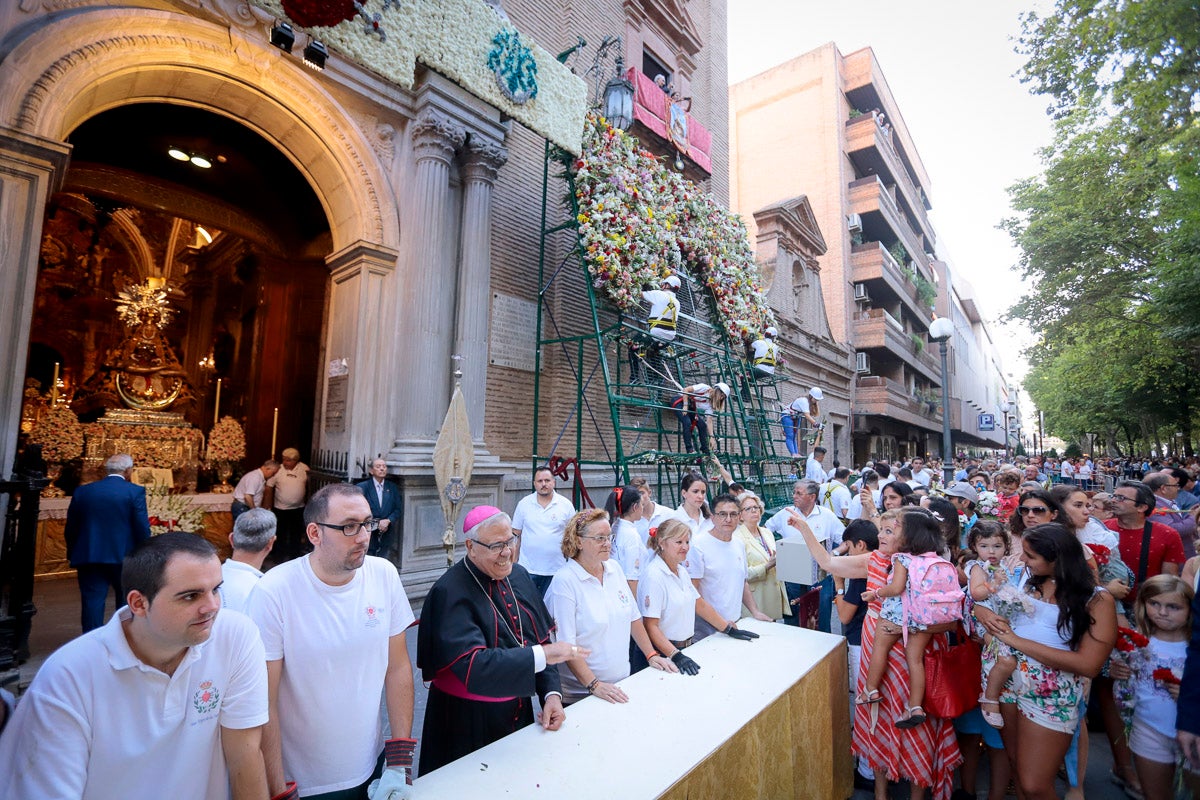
483 159
435 135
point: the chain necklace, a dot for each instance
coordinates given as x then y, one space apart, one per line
520 640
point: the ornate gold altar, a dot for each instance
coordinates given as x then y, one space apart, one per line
158 439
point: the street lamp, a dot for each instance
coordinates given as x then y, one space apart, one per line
940 331
618 98
1005 407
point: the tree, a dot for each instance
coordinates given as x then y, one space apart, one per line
1110 231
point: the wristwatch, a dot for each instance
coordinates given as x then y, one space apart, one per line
842 590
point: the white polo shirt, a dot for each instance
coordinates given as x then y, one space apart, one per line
825 526
663 306
594 615
661 513
813 471
252 483
628 549
97 723
670 598
290 487
839 498
237 579
334 644
541 532
697 527
721 568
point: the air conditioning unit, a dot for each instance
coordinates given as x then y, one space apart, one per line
860 293
862 362
854 223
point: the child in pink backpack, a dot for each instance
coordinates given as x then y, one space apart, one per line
922 598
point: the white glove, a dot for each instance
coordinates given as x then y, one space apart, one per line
392 785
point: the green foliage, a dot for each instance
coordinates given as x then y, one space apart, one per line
1109 233
1073 451
855 113
926 291
899 253
1020 450
918 343
1053 453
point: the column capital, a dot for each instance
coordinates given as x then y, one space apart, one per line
483 159
436 136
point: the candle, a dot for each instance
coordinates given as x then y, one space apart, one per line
274 429
54 387
217 408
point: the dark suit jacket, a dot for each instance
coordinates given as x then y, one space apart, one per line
390 510
105 520
1188 708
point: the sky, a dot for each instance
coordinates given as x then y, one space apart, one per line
951 66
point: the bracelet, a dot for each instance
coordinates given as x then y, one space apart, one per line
591 687
653 653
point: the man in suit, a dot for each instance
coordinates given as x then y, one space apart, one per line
1187 719
105 521
384 499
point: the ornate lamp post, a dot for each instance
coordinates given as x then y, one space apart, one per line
940 331
618 97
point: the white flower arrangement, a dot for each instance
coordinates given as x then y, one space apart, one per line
454 37
1011 602
226 442
988 505
172 512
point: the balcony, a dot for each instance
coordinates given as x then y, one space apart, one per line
876 329
872 150
883 397
870 197
871 263
652 108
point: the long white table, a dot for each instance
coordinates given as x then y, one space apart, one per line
763 719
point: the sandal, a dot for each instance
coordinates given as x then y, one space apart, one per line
913 717
872 698
992 718
1131 788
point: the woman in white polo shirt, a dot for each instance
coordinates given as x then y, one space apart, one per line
669 600
592 605
693 507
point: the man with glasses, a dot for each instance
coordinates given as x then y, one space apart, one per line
1166 488
333 624
717 567
484 647
1149 548
826 527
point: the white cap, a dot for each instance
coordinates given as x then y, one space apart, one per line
724 387
771 332
672 281
816 394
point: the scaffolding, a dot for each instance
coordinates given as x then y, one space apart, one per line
628 418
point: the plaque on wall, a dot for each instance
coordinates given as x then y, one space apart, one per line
335 404
513 332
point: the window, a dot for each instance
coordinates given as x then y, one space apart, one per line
652 67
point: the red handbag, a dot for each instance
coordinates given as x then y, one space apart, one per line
952 677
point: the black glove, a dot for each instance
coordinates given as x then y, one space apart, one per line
734 633
686 665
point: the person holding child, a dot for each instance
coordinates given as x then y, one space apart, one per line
921 598
1066 639
991 585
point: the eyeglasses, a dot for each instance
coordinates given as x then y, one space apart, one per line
1120 498
610 538
1170 485
1033 510
727 514
496 547
752 508
352 528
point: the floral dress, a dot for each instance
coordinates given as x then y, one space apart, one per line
1045 695
926 755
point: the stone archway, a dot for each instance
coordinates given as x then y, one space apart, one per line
72 67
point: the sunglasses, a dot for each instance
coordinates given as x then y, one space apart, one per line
1033 510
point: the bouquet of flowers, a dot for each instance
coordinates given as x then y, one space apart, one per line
1165 676
172 512
226 442
1132 650
60 435
1011 602
988 505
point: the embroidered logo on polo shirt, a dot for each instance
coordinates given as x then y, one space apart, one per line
624 598
206 698
373 619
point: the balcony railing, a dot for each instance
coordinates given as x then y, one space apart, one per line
652 108
871 261
869 194
865 131
878 329
885 397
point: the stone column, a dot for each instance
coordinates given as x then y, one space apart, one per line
31 169
482 162
426 307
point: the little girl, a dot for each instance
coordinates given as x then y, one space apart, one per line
1008 497
987 576
1163 613
921 598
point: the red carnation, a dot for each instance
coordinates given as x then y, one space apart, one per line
1165 675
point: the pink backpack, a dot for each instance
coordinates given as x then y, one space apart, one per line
932 595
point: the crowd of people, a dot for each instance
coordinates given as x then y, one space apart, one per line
250 684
